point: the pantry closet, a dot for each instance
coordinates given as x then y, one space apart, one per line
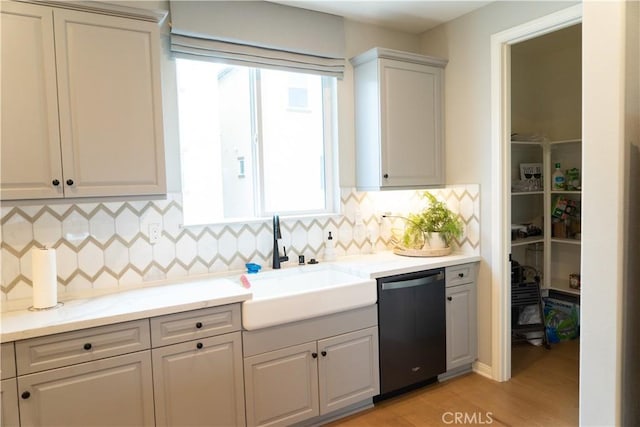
546 174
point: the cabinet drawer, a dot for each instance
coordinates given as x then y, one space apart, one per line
69 348
460 274
8 363
191 325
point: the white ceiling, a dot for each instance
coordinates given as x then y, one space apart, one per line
413 17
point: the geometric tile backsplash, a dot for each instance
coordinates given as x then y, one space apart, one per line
106 244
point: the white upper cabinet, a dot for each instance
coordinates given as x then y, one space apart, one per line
399 120
30 147
82 116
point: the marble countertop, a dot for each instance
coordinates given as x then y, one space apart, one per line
186 294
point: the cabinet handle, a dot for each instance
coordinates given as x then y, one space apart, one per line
314 355
199 346
199 325
87 346
323 353
460 275
449 298
385 176
26 395
69 182
55 182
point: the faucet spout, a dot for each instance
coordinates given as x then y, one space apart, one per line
277 235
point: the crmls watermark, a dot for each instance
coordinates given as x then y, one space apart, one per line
467 418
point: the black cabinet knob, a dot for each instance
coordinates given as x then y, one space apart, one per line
87 346
323 353
314 355
449 299
199 325
385 176
460 274
199 345
55 182
69 182
26 395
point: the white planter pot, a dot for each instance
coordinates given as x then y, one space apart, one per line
434 241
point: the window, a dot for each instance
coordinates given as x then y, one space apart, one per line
253 142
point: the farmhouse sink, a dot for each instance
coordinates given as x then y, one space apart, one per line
299 293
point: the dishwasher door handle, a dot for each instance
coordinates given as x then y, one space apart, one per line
420 281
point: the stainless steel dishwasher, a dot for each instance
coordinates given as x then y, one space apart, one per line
412 330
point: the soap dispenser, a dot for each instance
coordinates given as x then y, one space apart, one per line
329 249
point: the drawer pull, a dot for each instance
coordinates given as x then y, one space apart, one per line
449 299
314 355
199 325
87 346
199 346
460 275
55 182
69 182
26 395
323 353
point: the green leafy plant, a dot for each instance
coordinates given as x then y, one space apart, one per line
435 218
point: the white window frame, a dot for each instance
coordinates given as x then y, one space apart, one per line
330 132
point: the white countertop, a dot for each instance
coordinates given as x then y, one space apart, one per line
186 294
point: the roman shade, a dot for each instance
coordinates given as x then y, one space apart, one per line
258 34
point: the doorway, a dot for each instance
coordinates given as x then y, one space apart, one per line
501 45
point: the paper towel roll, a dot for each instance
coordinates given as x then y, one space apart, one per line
45 282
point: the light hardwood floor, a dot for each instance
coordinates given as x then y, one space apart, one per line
543 391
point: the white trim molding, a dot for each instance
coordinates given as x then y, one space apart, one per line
157 16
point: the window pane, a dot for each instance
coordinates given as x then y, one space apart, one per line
215 121
292 141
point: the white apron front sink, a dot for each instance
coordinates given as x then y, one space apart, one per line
292 294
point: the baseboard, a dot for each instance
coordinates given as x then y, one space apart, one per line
340 413
482 369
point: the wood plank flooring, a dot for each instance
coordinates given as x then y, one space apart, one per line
543 391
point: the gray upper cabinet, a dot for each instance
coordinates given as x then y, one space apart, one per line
461 312
82 101
399 120
199 383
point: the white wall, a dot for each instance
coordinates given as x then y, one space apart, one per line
609 378
465 42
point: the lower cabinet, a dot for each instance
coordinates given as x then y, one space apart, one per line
299 382
349 369
9 403
116 391
461 325
281 387
199 383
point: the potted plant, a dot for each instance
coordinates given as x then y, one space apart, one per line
434 227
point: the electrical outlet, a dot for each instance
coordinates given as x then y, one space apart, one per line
154 233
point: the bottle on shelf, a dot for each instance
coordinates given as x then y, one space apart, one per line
558 179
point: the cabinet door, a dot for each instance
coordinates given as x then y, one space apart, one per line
110 105
199 383
411 134
30 149
281 387
348 369
116 391
9 403
461 325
